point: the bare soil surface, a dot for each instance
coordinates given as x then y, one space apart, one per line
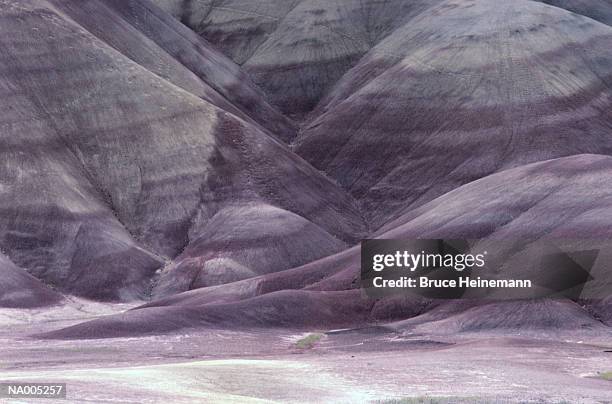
368 365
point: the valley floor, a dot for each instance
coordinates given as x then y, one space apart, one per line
369 365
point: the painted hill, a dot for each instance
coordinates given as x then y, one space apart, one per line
109 169
138 161
245 241
536 207
154 40
469 88
19 289
504 317
295 50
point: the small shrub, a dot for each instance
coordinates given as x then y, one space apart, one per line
309 341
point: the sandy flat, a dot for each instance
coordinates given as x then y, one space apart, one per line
245 366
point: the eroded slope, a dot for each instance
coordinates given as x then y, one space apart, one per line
556 199
295 50
109 169
18 289
467 89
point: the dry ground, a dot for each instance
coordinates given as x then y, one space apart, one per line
273 366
